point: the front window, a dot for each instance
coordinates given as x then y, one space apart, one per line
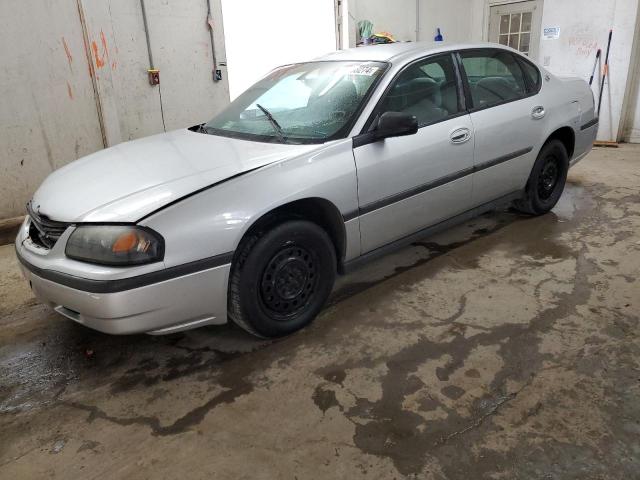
427 89
303 103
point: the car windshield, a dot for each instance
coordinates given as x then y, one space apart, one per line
302 103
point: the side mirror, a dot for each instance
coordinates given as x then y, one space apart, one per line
396 124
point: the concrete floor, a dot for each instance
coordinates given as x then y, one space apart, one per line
508 348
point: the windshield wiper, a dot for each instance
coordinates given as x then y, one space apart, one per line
274 123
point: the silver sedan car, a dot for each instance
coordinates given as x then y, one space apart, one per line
317 168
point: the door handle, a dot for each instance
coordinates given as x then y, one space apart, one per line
460 135
538 112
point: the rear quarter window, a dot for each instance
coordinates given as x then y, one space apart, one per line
532 76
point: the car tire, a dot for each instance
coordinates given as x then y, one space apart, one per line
281 278
546 181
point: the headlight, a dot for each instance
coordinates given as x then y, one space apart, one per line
115 245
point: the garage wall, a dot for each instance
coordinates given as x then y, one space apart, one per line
584 27
262 35
632 124
48 113
73 80
397 18
181 49
455 18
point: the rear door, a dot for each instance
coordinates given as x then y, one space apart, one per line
508 120
411 182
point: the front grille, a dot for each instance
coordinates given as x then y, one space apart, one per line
44 231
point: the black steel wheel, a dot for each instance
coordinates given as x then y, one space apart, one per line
289 281
546 181
548 178
281 278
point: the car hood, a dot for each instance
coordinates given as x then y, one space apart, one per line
128 181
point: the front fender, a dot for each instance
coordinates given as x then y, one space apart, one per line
214 221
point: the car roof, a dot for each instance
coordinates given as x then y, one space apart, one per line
392 52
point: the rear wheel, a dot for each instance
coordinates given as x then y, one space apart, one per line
546 181
281 278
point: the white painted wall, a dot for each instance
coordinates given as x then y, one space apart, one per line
261 35
584 28
398 17
454 17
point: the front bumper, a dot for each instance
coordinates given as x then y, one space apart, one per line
196 298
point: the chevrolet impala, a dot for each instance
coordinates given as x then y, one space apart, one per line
316 169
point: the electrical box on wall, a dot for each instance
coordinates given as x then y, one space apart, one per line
154 76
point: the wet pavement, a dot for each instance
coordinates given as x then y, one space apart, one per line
508 347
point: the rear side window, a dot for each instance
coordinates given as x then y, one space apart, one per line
495 77
532 76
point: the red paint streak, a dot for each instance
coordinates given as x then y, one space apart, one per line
113 65
67 51
96 54
69 91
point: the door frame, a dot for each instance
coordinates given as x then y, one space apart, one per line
338 6
489 4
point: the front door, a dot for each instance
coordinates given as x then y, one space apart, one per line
408 183
517 25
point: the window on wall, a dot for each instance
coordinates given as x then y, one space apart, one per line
426 89
494 76
515 31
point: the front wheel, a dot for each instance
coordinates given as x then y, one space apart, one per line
546 181
281 278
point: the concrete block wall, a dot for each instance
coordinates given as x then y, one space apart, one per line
73 80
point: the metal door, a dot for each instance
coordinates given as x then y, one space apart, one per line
409 183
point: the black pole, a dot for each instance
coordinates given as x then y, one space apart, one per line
605 72
595 64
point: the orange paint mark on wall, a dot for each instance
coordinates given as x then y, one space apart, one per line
67 51
96 54
102 58
69 91
105 50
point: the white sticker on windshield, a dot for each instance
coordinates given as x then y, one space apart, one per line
368 70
